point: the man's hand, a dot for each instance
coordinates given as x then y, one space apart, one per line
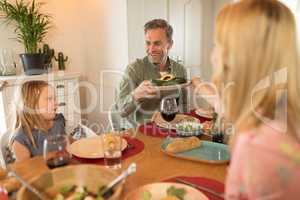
144 91
202 87
196 81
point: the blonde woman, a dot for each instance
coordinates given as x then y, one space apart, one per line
36 117
257 59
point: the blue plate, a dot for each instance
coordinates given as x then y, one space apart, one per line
208 152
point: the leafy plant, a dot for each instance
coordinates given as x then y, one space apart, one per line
31 25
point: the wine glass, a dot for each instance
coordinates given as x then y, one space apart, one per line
168 108
55 150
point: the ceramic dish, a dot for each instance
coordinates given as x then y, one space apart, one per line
90 176
206 113
89 147
172 87
159 191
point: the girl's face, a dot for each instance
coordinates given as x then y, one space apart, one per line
47 104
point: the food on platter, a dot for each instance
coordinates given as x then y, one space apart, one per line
183 144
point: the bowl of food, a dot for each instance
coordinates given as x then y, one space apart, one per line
72 182
189 128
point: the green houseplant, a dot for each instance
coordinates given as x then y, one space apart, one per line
31 27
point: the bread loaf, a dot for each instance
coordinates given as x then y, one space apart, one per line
183 144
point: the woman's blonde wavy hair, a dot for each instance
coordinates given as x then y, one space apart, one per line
260 57
27 116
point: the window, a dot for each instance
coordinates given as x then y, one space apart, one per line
294 5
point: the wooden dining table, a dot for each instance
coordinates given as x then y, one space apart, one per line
152 166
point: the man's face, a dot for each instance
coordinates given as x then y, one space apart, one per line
157 45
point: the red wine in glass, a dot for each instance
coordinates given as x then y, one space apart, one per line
168 116
55 151
57 162
168 108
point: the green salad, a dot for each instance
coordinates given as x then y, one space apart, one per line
189 127
73 192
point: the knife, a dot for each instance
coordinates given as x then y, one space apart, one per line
205 189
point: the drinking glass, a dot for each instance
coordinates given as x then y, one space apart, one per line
55 150
168 108
112 149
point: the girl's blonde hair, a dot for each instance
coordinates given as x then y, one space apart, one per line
260 57
27 116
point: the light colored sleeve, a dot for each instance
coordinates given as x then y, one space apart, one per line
125 102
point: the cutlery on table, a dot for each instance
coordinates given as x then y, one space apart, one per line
107 191
199 187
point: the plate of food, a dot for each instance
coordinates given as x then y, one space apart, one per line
90 147
81 181
166 191
191 148
159 120
169 82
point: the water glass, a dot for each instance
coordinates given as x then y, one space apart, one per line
112 149
55 150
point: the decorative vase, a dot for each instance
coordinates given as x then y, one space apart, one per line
33 64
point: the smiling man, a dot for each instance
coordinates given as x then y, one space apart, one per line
137 99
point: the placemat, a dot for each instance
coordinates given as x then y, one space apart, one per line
137 146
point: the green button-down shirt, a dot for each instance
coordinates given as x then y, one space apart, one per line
135 74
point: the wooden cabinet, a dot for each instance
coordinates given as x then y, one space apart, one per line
67 95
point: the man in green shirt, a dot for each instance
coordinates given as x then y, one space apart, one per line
137 99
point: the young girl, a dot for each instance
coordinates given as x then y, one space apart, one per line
257 57
36 117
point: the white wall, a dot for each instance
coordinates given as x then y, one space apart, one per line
147 10
93 34
64 35
106 49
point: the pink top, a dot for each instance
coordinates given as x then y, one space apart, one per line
265 165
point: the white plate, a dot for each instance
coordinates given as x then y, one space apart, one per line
172 87
159 191
90 147
204 113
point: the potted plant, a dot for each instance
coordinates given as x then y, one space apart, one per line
31 27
